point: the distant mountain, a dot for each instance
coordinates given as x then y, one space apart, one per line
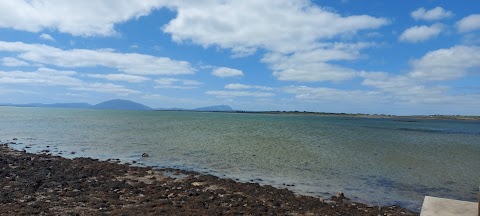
118 104
172 109
70 105
219 108
56 105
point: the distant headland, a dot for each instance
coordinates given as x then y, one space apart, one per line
119 104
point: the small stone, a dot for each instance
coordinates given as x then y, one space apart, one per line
340 197
198 184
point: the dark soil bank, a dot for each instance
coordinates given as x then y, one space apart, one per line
41 184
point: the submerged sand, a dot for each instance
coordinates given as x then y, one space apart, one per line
42 184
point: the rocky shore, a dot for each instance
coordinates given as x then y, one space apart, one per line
42 184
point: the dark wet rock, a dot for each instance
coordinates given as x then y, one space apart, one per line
340 197
51 185
145 155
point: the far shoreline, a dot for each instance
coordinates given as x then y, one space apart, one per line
405 118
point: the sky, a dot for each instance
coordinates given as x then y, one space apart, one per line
409 57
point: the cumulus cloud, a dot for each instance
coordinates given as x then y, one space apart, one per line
51 77
245 26
332 94
79 18
238 86
119 77
13 62
177 83
312 72
469 23
312 65
106 88
42 76
226 72
280 27
131 63
447 64
47 37
405 89
233 94
421 33
437 13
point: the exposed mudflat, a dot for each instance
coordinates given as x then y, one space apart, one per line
42 184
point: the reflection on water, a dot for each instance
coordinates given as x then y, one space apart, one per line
378 161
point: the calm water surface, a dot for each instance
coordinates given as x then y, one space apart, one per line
377 161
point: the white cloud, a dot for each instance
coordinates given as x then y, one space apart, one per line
175 87
51 77
13 62
43 76
244 26
312 72
312 65
469 23
280 27
331 94
226 72
79 18
437 13
403 88
170 81
106 88
447 64
418 94
393 93
387 82
421 33
238 86
131 63
290 31
119 77
166 81
232 94
47 37
174 83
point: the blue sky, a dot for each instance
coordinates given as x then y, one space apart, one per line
391 57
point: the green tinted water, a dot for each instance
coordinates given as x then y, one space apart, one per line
378 161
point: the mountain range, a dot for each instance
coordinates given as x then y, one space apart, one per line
118 104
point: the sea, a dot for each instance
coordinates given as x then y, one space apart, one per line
378 161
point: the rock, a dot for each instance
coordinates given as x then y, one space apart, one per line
340 196
15 139
145 155
198 184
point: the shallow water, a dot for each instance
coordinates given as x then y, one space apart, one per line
377 161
